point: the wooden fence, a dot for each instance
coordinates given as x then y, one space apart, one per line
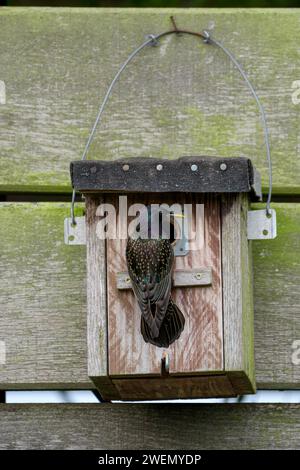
181 98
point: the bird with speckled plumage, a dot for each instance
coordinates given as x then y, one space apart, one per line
150 262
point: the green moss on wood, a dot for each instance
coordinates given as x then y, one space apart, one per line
182 98
44 294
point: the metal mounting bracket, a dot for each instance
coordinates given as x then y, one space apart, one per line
75 234
261 226
181 246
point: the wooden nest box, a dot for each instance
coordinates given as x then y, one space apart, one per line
212 281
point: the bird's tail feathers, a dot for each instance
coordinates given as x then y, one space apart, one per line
170 330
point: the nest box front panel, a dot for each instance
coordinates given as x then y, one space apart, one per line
200 345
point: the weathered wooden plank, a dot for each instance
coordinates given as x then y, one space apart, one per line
43 310
97 361
237 293
276 266
97 324
129 426
168 388
153 175
43 300
180 278
181 98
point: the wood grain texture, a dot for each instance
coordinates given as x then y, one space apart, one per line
43 301
248 351
276 269
202 338
96 294
237 293
120 426
200 346
42 306
97 360
181 98
180 278
168 388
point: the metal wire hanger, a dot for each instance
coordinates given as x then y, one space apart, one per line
153 40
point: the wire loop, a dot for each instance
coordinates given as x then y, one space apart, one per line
153 40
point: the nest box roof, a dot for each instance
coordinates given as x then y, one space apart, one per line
153 175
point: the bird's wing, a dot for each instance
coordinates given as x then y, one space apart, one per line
155 295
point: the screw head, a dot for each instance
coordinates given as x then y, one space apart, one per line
223 166
194 167
198 276
159 167
125 167
127 280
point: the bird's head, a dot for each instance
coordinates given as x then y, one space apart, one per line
157 222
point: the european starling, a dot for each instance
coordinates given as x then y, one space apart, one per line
150 262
